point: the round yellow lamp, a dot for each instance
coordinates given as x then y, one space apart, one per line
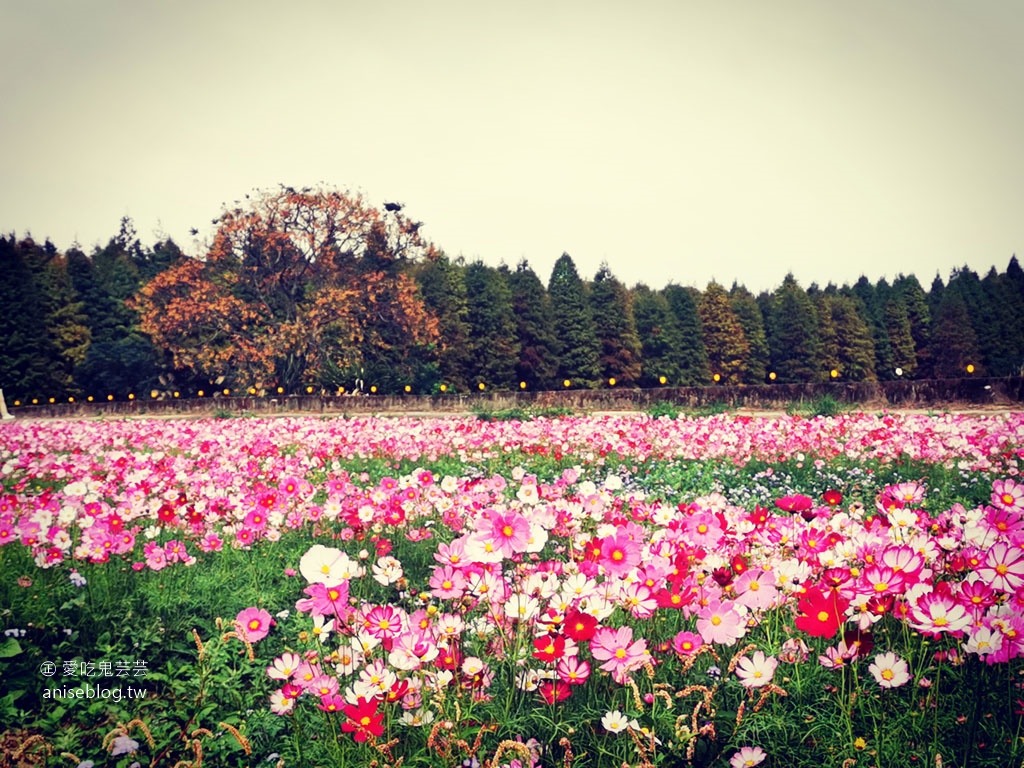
309 390
566 383
177 394
481 386
280 390
444 387
53 400
110 397
834 373
717 377
522 385
89 398
611 382
772 375
662 380
35 401
131 396
154 394
408 389
970 367
71 399
201 393
373 390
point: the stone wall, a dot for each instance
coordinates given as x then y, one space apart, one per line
934 393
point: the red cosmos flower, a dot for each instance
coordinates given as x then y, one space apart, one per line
166 515
759 516
364 720
795 503
553 691
549 648
821 613
397 691
832 498
678 597
580 626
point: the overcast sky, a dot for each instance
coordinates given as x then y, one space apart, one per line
678 141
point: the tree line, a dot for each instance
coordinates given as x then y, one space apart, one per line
317 290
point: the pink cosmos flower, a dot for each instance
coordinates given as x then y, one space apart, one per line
447 583
384 622
748 757
619 652
573 670
756 589
756 671
1003 568
254 624
1008 495
686 643
721 623
938 613
619 553
889 670
510 532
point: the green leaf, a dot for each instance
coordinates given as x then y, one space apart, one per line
9 647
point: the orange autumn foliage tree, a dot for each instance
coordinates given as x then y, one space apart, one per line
301 286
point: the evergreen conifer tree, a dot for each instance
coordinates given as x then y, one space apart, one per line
443 287
580 352
538 344
616 329
793 335
901 341
855 348
659 335
954 345
915 300
692 355
749 313
493 342
724 339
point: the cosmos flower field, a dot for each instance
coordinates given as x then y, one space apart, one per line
579 591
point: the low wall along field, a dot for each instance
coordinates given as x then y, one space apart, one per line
923 394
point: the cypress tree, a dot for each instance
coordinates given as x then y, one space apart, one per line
827 334
749 313
901 341
870 305
659 336
443 287
27 354
1005 312
692 355
856 350
724 339
915 300
493 344
535 330
616 329
954 344
793 335
580 353
984 318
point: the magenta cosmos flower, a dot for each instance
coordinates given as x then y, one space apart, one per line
619 553
254 624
